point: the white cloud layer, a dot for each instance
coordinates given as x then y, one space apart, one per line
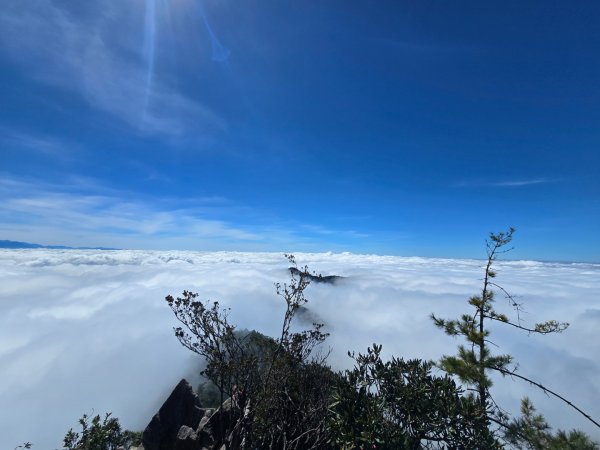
84 331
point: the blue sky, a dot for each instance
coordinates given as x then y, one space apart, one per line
411 128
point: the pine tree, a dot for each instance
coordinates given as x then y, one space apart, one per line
475 360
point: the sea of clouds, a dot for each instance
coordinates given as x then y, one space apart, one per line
90 332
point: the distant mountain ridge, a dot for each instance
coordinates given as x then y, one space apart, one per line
22 245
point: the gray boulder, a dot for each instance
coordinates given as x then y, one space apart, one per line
215 424
187 439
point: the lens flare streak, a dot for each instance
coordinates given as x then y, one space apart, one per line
219 52
149 49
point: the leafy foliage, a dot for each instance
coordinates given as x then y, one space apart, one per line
100 434
400 404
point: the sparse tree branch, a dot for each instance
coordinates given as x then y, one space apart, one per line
548 327
547 391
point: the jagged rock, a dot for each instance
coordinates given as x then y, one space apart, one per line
182 408
182 424
330 279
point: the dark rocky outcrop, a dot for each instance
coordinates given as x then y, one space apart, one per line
182 408
182 424
330 279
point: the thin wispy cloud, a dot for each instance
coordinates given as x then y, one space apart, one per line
507 183
43 145
96 215
87 57
321 230
82 212
517 183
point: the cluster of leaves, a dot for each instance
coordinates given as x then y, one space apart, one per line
400 404
100 434
24 445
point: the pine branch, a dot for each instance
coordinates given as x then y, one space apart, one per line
547 391
552 326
